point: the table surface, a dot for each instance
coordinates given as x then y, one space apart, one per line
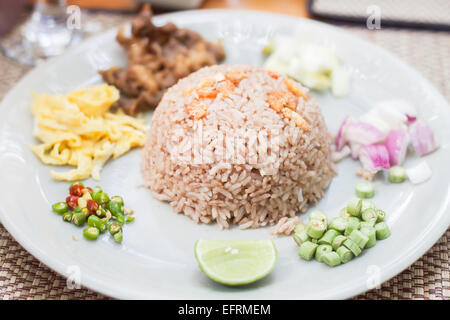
291 7
24 277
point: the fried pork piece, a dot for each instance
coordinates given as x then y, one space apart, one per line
157 58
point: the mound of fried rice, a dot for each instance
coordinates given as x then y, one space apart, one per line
242 162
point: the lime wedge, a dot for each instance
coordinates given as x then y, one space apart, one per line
236 262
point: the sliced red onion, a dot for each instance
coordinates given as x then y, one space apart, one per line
354 148
411 119
396 144
337 156
374 157
398 105
390 115
373 118
419 173
363 133
395 119
422 137
340 140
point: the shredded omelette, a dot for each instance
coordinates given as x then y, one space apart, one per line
77 129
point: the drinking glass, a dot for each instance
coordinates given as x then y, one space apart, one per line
45 34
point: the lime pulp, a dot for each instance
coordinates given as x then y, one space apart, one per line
236 262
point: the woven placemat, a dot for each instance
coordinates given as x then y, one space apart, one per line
24 277
411 13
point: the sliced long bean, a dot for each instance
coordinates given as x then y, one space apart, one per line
307 250
370 224
321 250
316 229
338 241
318 215
359 238
328 237
371 235
354 207
365 190
344 214
331 258
381 215
299 227
397 174
352 224
358 227
345 254
366 204
300 237
338 224
382 230
353 247
369 215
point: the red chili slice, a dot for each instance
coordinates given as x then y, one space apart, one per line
72 202
92 206
76 190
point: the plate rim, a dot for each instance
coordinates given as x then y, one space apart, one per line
390 271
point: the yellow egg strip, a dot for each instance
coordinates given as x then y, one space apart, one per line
77 130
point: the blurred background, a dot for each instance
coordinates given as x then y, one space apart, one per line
33 30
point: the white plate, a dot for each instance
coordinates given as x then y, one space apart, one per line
156 259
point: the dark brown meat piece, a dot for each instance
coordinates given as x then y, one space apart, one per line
157 58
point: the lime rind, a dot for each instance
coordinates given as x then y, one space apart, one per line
236 262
